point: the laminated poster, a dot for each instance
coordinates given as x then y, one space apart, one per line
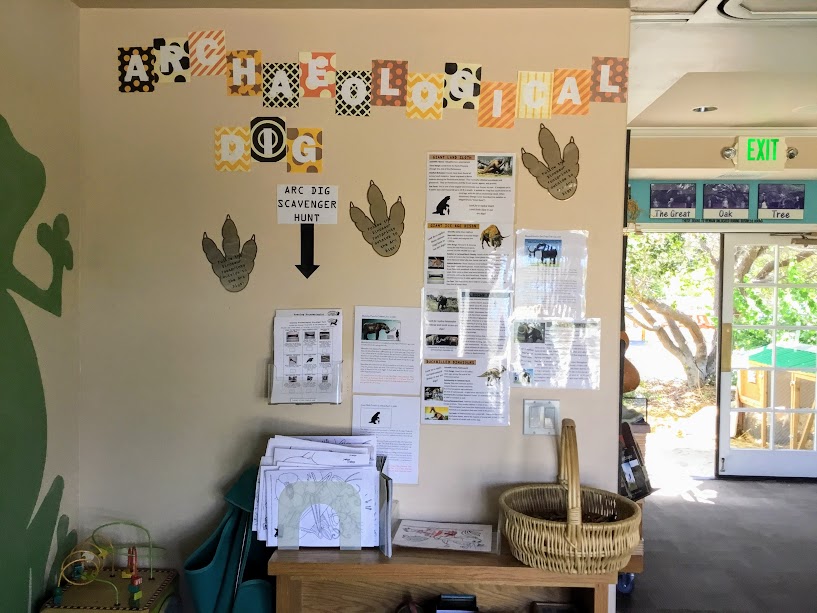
308 356
395 421
556 354
469 255
387 350
471 186
551 268
474 392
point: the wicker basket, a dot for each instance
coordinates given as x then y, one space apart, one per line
570 546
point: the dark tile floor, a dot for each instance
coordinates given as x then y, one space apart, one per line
729 547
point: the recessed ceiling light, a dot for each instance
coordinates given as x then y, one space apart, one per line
704 109
808 109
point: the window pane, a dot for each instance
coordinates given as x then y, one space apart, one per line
753 306
749 430
797 306
754 264
752 389
798 264
794 431
793 389
751 348
796 349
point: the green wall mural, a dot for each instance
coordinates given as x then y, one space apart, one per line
28 530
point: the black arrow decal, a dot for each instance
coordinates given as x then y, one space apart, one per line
307 265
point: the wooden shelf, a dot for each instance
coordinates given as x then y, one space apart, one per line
332 580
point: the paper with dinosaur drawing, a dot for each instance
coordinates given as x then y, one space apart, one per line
551 268
471 186
387 350
307 356
466 391
555 353
436 535
395 421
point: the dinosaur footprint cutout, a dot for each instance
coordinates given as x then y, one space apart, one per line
384 229
560 170
233 267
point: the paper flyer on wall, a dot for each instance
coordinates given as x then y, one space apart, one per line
395 421
387 350
466 323
474 392
552 353
307 356
471 186
473 255
551 268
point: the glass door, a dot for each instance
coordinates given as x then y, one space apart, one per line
768 367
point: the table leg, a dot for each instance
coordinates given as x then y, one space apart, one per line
600 598
287 595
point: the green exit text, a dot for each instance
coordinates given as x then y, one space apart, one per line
761 149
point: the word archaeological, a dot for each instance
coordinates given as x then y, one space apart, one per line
281 85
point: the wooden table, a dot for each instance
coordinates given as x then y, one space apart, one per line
330 580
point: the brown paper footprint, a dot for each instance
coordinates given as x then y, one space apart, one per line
384 229
233 267
560 170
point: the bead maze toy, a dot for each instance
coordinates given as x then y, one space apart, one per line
90 581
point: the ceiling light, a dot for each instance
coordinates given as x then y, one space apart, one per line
704 109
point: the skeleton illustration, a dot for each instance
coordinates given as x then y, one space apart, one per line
531 334
492 375
492 236
560 170
547 252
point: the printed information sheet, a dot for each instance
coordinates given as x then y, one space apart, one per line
307 356
465 391
477 256
556 353
436 535
551 268
465 322
471 186
387 350
395 421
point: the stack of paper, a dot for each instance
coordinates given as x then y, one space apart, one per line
309 474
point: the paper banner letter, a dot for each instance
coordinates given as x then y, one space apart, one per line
268 138
354 92
389 82
462 85
281 81
136 72
571 92
208 53
384 229
304 150
233 149
244 73
533 94
424 97
172 60
610 79
317 74
558 171
497 105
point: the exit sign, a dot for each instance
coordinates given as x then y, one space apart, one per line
761 153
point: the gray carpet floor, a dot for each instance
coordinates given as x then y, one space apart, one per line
729 546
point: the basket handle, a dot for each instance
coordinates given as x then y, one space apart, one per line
569 479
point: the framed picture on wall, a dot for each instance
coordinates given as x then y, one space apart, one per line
672 200
781 200
726 201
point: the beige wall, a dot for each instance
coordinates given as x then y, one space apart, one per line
174 367
39 51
